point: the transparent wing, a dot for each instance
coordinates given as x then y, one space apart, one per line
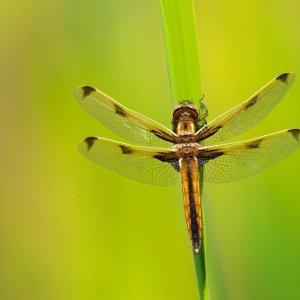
157 166
246 115
235 161
123 121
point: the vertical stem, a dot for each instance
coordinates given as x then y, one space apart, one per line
180 36
199 261
182 51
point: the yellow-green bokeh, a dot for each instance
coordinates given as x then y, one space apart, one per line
70 229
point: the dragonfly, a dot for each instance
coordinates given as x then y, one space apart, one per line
193 148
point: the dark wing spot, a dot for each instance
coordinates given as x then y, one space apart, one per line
169 158
163 136
253 145
119 110
205 156
87 90
158 134
161 156
210 132
90 141
125 149
295 133
202 161
283 77
155 132
216 153
175 164
251 102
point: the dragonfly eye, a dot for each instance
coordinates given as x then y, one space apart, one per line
185 109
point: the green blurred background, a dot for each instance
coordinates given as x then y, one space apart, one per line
70 229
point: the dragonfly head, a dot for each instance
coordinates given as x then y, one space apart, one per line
185 111
185 116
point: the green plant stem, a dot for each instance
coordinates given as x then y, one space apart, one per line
180 36
199 261
181 43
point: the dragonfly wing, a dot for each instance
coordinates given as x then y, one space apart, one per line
157 166
123 121
230 162
246 115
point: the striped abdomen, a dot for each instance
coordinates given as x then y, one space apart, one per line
191 195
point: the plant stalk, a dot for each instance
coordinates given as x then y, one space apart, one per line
182 52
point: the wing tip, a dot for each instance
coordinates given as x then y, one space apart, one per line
87 143
83 91
286 77
296 133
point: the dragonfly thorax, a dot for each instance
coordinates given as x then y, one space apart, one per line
187 149
185 138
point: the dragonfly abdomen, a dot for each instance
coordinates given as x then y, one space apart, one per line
191 196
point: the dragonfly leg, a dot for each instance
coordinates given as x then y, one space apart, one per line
204 107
